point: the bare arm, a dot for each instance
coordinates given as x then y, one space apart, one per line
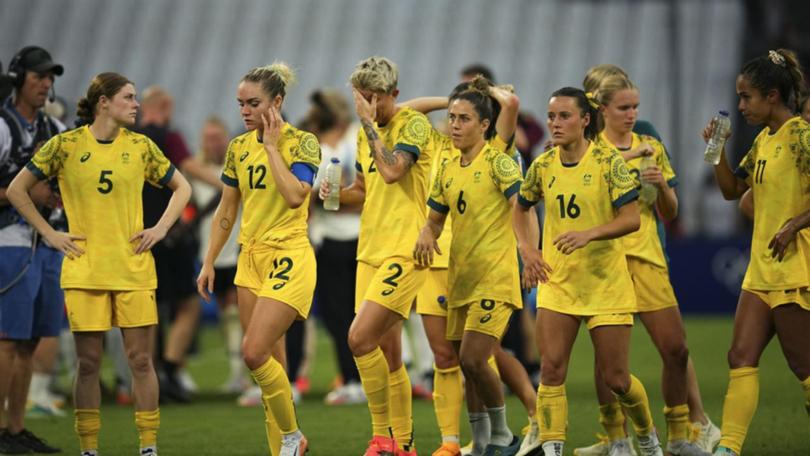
181 192
353 195
425 105
506 124
221 227
195 169
626 221
291 188
427 242
526 228
730 185
392 165
18 194
747 204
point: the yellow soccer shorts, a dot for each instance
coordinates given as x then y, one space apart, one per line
486 316
393 285
774 299
101 310
595 321
651 285
284 275
427 300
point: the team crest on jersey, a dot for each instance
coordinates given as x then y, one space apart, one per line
125 157
243 156
477 177
85 157
586 179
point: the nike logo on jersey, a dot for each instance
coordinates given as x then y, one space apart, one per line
84 157
243 157
553 178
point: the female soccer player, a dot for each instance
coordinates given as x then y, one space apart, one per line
269 169
590 203
774 297
707 434
657 307
394 155
108 273
478 187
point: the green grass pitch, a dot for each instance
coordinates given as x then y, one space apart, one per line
214 425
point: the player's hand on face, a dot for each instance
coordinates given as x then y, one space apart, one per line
366 110
273 122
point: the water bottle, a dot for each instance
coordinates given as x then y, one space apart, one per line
333 180
649 192
721 126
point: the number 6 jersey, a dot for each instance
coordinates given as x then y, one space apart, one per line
101 184
592 280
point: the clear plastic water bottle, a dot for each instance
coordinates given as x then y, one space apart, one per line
333 178
649 192
722 124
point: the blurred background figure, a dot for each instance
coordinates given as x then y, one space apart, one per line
335 235
214 139
175 256
31 298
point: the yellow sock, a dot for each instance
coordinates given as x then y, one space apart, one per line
635 403
806 386
448 395
401 407
276 394
373 371
87 424
611 417
552 412
677 422
739 407
271 430
147 423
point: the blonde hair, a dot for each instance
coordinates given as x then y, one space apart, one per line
377 74
275 78
609 86
595 75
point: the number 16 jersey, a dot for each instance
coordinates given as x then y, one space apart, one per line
593 280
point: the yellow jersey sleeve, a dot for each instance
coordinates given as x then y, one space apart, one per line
746 167
229 175
308 151
666 167
49 159
531 190
414 136
157 169
437 201
505 175
621 185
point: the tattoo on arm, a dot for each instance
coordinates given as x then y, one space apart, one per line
373 139
225 224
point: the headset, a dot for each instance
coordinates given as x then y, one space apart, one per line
17 73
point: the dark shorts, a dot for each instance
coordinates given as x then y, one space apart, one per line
223 279
177 278
35 305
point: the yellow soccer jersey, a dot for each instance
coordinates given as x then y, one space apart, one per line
266 218
648 242
593 280
393 214
483 262
778 170
446 151
101 185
